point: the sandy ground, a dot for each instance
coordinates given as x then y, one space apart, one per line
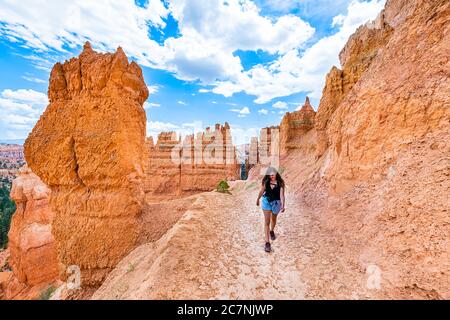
216 250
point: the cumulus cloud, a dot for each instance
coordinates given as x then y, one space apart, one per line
244 111
149 105
241 135
297 71
153 89
280 105
209 33
208 36
19 111
58 25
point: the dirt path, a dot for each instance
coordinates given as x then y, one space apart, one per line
216 251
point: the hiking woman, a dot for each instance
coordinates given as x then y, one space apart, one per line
273 201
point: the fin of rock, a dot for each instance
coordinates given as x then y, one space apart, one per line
88 147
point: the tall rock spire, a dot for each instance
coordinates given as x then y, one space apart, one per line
88 147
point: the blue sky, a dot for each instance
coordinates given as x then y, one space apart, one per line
205 62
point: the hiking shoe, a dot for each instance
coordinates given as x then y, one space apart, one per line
267 247
272 235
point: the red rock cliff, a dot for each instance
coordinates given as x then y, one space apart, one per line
194 164
294 125
31 244
381 181
88 147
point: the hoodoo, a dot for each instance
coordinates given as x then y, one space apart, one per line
88 147
31 244
294 125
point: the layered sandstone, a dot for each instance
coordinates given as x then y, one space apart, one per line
294 125
163 172
382 126
356 57
208 159
12 152
191 164
31 244
11 159
88 147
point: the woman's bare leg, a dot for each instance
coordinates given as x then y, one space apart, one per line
274 222
267 214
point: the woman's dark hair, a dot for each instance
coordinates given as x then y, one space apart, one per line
270 171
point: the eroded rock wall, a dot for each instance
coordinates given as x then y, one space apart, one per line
31 244
381 179
193 164
294 125
88 147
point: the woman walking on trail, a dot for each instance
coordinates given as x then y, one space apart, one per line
273 201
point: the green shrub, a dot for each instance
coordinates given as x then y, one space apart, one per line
223 187
47 293
7 208
131 267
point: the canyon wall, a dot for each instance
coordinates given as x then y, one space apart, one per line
31 245
378 175
194 164
11 152
88 147
162 174
294 125
11 159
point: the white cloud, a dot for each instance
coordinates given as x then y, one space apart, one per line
149 105
19 111
241 135
161 126
182 102
243 111
209 34
280 105
33 79
153 89
107 23
295 71
263 111
25 95
320 9
338 20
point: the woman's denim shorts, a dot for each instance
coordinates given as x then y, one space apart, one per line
274 206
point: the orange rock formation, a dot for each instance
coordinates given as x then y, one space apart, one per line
31 243
88 147
193 164
382 133
294 125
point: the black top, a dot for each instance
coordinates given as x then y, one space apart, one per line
272 194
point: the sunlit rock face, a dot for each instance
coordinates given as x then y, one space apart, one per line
380 173
294 125
194 163
88 147
31 244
